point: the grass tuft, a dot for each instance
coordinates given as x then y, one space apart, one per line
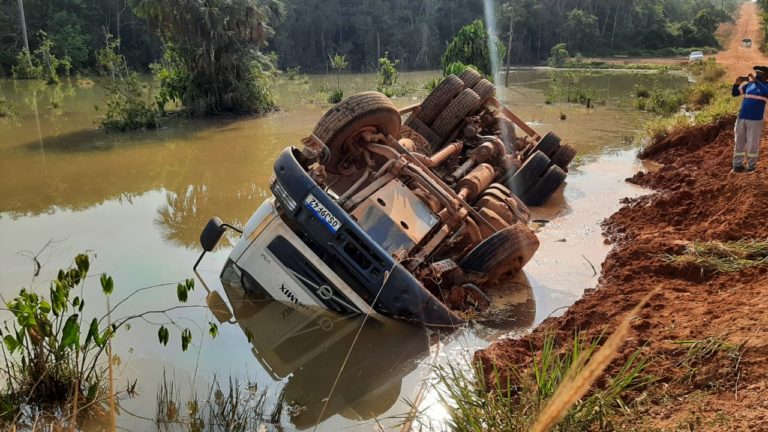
515 397
723 257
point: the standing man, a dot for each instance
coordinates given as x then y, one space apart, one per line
749 125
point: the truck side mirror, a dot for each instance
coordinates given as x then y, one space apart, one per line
212 234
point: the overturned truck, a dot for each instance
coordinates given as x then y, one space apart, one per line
406 213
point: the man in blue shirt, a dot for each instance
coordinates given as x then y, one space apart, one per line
749 126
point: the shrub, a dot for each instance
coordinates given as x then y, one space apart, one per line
386 77
558 55
292 73
335 96
432 84
707 71
126 108
26 67
642 91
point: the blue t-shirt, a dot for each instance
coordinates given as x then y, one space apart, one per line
752 109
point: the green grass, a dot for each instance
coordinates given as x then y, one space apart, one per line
723 257
698 353
515 398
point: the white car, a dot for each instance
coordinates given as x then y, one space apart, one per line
696 56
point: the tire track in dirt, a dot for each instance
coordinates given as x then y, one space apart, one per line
737 60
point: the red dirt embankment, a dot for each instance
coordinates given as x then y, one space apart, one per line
695 199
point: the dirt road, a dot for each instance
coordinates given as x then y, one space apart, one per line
737 60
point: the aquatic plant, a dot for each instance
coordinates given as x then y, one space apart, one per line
56 360
232 407
8 110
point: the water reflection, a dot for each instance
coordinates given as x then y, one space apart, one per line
307 347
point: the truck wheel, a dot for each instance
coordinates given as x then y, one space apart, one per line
528 174
548 144
470 77
420 128
466 102
564 156
542 191
506 251
441 96
367 109
485 89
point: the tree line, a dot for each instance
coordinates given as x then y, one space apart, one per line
308 33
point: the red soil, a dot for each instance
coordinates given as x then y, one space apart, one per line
696 198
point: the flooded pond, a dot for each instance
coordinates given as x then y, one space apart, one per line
138 201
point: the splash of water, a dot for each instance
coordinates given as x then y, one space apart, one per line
490 25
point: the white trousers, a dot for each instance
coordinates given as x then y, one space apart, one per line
747 146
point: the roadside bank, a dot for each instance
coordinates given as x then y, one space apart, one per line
698 238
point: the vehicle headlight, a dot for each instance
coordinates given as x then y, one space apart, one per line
282 196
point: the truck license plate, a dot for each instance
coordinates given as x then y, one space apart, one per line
322 213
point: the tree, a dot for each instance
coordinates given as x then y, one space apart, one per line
213 53
470 47
581 29
338 63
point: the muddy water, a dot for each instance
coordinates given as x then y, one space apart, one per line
138 201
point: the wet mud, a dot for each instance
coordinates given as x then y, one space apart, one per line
695 199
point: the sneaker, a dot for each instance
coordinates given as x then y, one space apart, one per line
749 170
738 169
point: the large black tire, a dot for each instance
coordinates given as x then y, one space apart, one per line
528 174
425 131
485 89
542 191
548 144
470 77
466 102
504 252
441 96
367 109
564 156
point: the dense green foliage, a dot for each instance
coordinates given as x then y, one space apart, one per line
470 47
213 61
633 27
764 6
76 30
309 32
415 33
